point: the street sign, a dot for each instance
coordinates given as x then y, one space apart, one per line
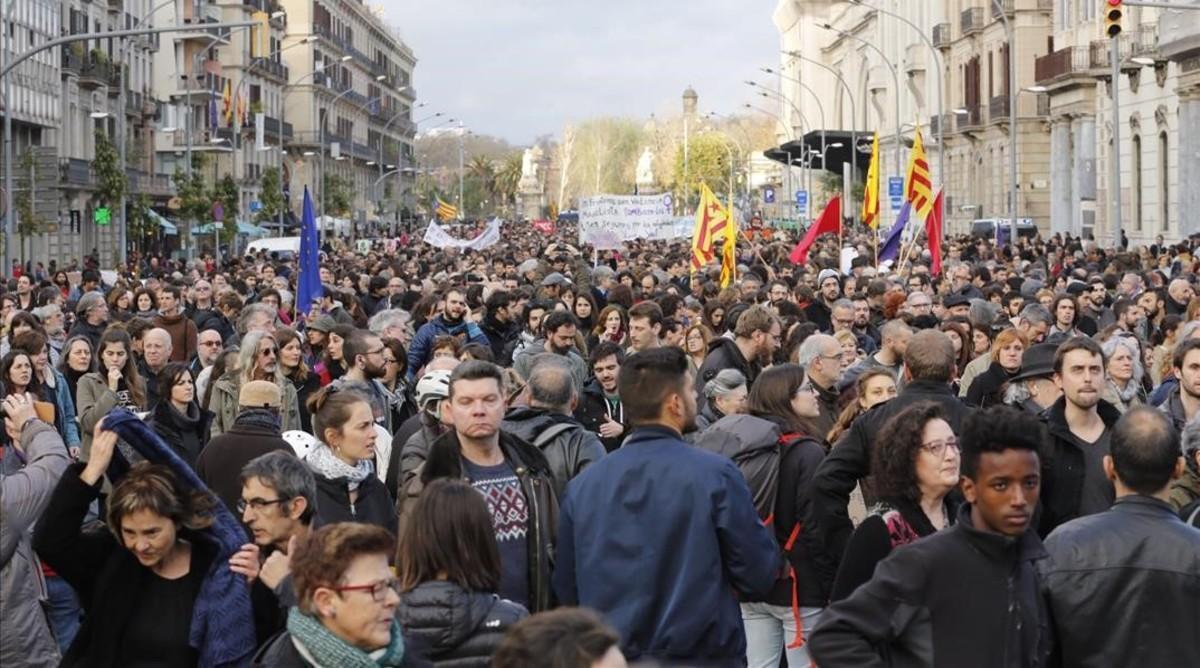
255 206
102 216
896 191
802 202
769 195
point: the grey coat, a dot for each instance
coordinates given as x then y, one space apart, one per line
224 405
25 636
93 400
523 363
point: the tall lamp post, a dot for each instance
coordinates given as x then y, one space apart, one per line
820 107
689 109
791 135
1012 125
288 89
895 79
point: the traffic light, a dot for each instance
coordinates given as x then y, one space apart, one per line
1114 11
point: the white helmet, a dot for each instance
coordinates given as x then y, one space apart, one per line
433 386
301 441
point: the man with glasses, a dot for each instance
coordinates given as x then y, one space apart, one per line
208 349
200 306
255 432
843 318
364 355
821 358
277 503
919 304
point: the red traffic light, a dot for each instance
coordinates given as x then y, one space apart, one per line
1113 14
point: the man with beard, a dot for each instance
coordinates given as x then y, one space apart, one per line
1154 306
1183 403
1179 295
820 311
1091 306
451 322
658 505
498 324
558 337
177 325
600 408
756 337
863 327
363 353
821 358
1079 426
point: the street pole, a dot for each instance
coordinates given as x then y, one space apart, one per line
10 213
895 80
321 161
686 146
791 135
462 209
853 131
287 90
1012 125
1114 163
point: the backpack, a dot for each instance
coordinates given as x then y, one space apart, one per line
754 445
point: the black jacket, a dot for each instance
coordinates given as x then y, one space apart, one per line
107 577
819 313
372 506
723 353
186 434
988 387
537 483
1123 587
567 446
850 461
220 463
457 628
304 390
594 409
961 597
92 332
499 335
1063 465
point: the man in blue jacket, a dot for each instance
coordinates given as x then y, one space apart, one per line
452 322
660 537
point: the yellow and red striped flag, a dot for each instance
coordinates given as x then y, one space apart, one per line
870 210
918 183
711 221
445 210
227 101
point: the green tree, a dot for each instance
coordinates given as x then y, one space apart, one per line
226 192
111 180
338 199
271 196
708 164
603 157
29 222
139 223
194 202
483 171
508 176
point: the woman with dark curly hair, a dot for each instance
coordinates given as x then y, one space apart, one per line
914 470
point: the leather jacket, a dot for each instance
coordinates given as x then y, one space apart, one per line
568 447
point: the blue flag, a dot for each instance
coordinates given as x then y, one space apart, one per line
308 285
891 247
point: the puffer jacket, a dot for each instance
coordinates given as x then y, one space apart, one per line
25 636
568 447
457 628
1138 545
422 344
225 408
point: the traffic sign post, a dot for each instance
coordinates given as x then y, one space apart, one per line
769 195
896 192
802 202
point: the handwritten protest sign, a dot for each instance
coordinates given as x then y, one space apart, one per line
606 221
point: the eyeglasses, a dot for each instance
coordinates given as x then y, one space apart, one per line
938 448
258 504
269 352
805 388
378 590
375 352
210 343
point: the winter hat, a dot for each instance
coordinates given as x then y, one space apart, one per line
828 273
260 394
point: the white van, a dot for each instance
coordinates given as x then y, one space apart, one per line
285 248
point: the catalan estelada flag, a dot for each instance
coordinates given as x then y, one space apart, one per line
445 210
918 184
711 221
870 210
227 101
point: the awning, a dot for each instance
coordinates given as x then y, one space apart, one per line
168 228
244 229
835 156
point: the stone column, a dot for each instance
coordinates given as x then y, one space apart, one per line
1188 154
1062 190
1084 169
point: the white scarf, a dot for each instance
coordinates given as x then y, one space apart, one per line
323 462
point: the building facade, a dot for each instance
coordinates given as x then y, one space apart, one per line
350 104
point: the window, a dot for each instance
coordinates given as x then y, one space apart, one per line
1164 180
1135 184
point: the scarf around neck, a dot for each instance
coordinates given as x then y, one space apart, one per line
312 639
323 462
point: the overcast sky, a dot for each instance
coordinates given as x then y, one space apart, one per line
519 69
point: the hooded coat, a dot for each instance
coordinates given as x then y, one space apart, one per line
457 628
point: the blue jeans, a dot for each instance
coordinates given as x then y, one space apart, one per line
63 611
770 628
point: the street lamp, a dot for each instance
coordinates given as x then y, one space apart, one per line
895 79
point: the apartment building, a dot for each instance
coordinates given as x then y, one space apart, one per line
350 104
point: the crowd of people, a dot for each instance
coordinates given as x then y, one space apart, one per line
539 454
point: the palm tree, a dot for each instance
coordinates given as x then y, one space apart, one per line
508 177
483 170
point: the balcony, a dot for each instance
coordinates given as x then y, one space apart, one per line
271 128
360 57
301 139
116 6
971 21
76 172
972 120
942 36
999 109
94 74
1062 65
269 68
200 84
155 185
938 122
72 64
326 33
134 103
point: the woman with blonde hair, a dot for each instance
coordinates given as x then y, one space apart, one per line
874 386
695 344
988 387
851 355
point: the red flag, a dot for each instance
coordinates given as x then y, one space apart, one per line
933 230
830 221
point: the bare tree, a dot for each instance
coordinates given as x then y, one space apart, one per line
566 149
